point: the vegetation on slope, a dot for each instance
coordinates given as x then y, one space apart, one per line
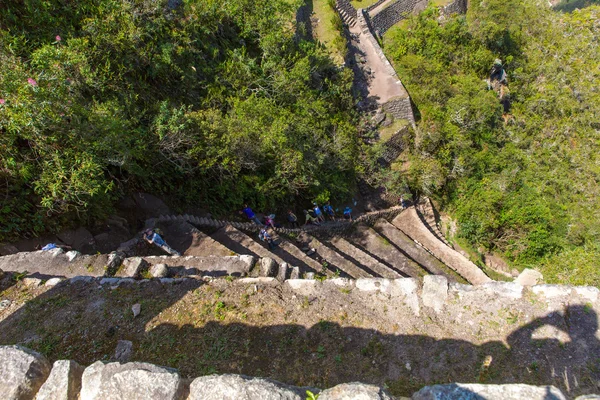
213 103
524 184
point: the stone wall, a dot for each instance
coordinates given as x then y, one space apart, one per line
395 13
26 374
394 147
400 108
456 7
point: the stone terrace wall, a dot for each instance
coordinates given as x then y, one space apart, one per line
456 7
400 108
395 13
394 147
26 374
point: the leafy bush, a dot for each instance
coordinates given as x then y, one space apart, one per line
523 183
211 103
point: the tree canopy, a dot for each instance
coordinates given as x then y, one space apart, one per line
211 102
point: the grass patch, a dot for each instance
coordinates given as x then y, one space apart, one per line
327 30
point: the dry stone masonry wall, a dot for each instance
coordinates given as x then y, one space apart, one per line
23 372
395 13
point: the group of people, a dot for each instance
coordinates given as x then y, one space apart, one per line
314 216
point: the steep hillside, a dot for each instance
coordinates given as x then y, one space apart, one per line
523 183
211 103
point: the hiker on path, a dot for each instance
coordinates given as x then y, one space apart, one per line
348 213
329 212
270 220
292 219
265 237
154 238
250 214
310 219
318 213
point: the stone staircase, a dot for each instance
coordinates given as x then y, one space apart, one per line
347 12
426 212
375 245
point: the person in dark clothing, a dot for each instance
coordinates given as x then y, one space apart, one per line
292 219
329 212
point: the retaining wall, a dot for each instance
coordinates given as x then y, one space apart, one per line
395 13
26 374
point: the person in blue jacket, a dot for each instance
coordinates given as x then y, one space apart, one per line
250 214
154 238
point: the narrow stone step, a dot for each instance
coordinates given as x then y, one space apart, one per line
335 260
241 243
381 248
189 241
206 266
364 259
409 222
303 261
415 252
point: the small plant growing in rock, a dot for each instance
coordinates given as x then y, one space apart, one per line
311 396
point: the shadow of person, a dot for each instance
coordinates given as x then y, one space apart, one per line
571 353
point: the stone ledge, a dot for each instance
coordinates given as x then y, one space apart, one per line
25 374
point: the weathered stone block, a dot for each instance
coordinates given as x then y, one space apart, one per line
159 270
529 277
22 372
64 382
283 272
435 291
355 391
136 380
53 281
268 266
132 267
472 391
240 387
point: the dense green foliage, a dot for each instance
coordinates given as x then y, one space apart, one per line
212 103
525 184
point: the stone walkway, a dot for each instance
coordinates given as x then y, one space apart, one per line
382 84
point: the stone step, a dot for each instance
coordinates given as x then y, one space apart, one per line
204 266
335 260
416 252
298 258
365 260
410 223
380 248
189 241
54 263
241 243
